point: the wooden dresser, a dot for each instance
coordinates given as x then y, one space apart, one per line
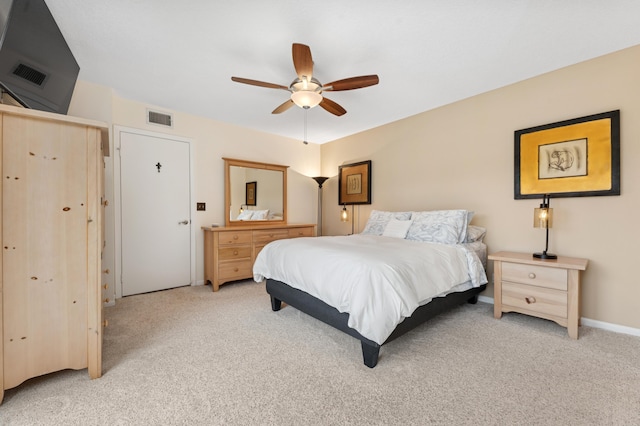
543 288
229 252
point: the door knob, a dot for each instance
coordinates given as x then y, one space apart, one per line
184 222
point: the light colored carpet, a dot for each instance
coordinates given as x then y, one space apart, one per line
189 356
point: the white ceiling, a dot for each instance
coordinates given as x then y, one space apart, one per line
181 54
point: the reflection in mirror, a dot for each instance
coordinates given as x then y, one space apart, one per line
254 192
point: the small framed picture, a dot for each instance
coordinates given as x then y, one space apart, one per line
251 193
354 181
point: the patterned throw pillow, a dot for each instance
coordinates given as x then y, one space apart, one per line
439 226
475 233
245 215
378 221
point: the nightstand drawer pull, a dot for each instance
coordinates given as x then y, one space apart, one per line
530 300
532 275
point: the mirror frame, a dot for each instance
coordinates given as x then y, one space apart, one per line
228 162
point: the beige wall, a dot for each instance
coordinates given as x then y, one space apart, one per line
457 156
211 141
462 156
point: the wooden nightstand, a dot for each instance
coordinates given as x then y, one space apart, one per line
543 288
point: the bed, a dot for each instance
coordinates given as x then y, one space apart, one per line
404 268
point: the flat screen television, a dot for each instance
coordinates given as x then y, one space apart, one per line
37 68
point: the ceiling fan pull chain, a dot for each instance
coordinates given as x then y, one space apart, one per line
305 126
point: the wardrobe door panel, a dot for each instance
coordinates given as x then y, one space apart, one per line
45 247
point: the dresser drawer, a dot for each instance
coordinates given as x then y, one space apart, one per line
533 275
234 253
235 270
534 299
266 236
234 237
300 232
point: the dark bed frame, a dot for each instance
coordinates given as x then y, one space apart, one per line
281 292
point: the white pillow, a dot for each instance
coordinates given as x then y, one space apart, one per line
245 215
397 228
260 214
439 226
378 221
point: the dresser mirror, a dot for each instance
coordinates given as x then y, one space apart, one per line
255 193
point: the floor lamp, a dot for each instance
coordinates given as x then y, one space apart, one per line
320 180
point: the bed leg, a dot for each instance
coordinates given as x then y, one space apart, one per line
370 354
473 300
275 304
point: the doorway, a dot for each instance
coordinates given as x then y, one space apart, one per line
153 224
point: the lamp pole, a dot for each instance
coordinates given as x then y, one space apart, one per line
320 180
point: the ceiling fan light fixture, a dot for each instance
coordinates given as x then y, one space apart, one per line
306 98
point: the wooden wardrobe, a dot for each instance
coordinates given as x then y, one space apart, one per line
51 197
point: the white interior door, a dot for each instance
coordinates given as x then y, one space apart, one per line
155 199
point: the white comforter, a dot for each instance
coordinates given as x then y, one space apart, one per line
378 280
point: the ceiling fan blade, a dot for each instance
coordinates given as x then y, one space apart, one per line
352 83
302 61
283 107
259 83
332 107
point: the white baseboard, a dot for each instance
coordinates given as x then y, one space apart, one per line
588 322
485 299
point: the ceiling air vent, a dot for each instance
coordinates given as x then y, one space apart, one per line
30 74
160 118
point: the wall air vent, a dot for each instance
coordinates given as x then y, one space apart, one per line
30 74
154 117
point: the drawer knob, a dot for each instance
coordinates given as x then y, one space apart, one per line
235 270
530 300
235 237
235 252
532 275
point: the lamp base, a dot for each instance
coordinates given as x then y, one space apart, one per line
545 255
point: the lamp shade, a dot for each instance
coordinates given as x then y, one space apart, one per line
344 214
320 180
543 217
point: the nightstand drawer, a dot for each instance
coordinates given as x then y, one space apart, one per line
229 271
263 237
534 275
534 299
234 253
237 237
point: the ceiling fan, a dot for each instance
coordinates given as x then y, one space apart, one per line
306 90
